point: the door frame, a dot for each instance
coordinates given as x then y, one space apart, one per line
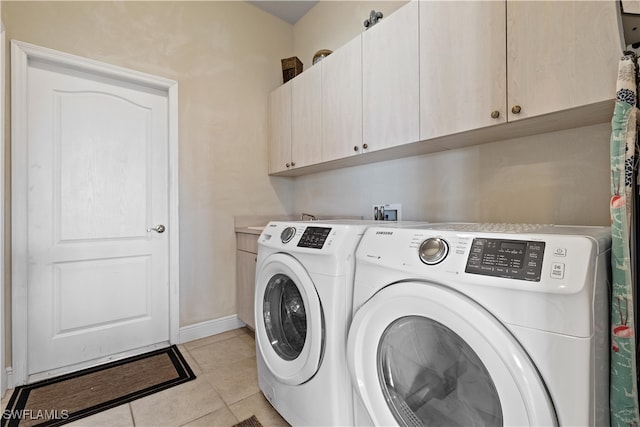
21 54
3 86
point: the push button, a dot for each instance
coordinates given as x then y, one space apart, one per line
560 252
557 270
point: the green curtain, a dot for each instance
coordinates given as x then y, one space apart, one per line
623 380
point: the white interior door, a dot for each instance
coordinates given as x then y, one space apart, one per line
97 168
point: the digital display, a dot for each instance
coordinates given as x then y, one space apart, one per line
314 237
515 246
513 259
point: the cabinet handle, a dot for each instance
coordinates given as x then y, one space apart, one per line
356 148
516 109
365 146
293 164
495 114
288 165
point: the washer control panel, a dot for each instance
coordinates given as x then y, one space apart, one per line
512 259
314 237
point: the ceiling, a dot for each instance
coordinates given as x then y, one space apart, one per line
287 10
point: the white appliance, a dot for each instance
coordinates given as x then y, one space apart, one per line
481 324
303 303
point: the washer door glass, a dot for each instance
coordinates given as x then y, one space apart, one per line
284 317
430 376
290 327
421 353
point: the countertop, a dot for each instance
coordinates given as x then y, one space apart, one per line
250 229
254 224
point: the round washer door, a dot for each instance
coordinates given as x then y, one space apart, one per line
422 354
289 320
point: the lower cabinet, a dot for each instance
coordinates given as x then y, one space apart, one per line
246 257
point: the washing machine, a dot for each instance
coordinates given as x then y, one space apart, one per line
481 324
303 307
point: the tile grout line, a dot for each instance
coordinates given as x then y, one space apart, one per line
227 405
133 419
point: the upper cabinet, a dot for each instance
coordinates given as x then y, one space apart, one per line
306 126
561 55
462 66
280 129
391 81
342 101
437 75
295 119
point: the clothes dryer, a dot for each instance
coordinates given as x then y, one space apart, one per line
481 324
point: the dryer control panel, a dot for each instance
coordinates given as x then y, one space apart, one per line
512 259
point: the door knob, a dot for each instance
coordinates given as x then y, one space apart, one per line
158 229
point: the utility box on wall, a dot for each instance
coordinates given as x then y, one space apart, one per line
387 212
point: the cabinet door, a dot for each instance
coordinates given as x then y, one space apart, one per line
245 286
561 54
390 80
462 66
342 101
280 129
306 130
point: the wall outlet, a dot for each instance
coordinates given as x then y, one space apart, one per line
387 212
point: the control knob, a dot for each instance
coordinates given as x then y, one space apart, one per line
287 234
433 250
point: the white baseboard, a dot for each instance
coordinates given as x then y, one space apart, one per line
210 327
186 334
8 377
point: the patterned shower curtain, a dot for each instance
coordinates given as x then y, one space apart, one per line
623 381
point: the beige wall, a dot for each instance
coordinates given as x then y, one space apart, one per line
330 24
560 177
226 59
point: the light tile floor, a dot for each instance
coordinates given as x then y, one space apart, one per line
224 393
